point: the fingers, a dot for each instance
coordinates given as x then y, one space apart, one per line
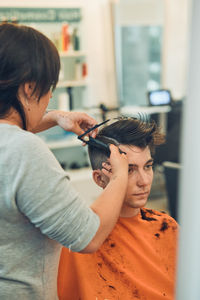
115 150
107 166
79 122
86 122
106 169
118 160
93 133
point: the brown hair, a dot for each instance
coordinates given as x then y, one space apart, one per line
126 131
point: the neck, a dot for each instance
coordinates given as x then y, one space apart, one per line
12 118
128 212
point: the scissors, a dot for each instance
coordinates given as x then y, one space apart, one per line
94 142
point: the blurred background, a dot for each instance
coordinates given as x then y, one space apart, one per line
124 57
117 58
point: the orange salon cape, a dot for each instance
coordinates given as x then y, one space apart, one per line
137 261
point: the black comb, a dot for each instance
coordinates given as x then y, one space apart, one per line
96 143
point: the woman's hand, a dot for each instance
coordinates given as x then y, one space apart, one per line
77 122
108 205
116 165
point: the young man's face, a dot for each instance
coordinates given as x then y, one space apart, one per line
139 180
140 177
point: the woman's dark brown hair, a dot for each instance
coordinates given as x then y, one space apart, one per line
26 55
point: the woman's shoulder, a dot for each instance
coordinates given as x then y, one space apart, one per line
28 150
23 144
27 140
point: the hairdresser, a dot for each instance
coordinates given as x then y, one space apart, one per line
39 210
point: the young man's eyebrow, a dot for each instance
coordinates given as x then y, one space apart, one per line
148 161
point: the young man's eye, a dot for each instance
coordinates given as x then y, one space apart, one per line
150 166
131 170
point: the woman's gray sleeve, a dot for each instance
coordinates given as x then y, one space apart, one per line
44 195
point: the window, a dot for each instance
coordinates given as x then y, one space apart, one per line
138 62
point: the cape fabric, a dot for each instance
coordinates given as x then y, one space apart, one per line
137 261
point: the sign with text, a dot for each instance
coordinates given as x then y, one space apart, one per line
23 15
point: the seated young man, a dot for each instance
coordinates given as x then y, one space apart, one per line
138 259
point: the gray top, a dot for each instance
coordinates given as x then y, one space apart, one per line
39 210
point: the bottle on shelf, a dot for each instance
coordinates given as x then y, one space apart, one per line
65 37
84 70
75 40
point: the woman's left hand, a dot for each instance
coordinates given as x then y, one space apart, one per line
77 122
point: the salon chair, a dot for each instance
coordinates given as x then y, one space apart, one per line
168 155
172 174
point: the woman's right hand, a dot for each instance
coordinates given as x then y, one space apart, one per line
116 165
108 205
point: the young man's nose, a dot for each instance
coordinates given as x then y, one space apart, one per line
143 179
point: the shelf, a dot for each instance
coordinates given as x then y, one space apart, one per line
72 83
63 143
171 165
72 53
130 110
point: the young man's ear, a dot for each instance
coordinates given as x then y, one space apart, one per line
100 179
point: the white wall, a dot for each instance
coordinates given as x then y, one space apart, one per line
140 12
42 3
100 52
175 46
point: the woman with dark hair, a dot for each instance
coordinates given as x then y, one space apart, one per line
39 210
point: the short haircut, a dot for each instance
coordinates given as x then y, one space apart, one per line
126 131
26 55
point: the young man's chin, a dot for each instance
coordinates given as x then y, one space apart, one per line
137 203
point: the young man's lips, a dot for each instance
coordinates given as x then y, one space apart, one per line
141 194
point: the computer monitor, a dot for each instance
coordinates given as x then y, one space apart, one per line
159 97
